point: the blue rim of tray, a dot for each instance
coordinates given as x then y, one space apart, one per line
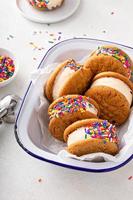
51 161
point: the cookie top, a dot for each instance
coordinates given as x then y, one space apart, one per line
49 4
39 3
116 53
70 104
114 75
94 129
59 77
63 77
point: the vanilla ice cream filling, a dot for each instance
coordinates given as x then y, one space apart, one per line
80 135
116 84
61 80
53 3
76 136
91 109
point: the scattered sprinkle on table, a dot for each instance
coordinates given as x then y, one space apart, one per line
54 37
7 68
10 37
85 35
51 41
39 180
35 47
35 32
59 38
112 13
130 177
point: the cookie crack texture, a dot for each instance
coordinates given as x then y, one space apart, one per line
113 105
104 63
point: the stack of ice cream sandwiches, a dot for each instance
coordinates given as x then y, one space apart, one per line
89 100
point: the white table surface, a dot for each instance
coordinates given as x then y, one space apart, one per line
20 173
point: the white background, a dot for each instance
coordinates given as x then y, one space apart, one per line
20 173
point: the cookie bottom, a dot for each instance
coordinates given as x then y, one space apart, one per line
92 146
40 9
57 126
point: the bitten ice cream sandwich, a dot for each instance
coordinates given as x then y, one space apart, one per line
109 58
68 109
68 78
113 93
91 136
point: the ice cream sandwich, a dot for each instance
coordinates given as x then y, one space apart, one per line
69 77
68 109
91 136
113 93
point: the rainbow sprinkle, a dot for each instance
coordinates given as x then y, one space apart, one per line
7 68
39 3
101 130
70 105
118 54
73 65
130 177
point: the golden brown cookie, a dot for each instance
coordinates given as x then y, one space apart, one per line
68 78
91 136
113 93
45 5
109 58
68 109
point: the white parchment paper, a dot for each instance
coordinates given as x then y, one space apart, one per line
125 131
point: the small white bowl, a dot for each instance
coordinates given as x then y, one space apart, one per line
68 8
5 52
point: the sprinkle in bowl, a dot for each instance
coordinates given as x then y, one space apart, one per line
8 67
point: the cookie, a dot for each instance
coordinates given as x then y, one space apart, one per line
43 5
113 93
91 136
68 109
68 78
109 58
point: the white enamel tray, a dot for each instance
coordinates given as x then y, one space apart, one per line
27 129
68 8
